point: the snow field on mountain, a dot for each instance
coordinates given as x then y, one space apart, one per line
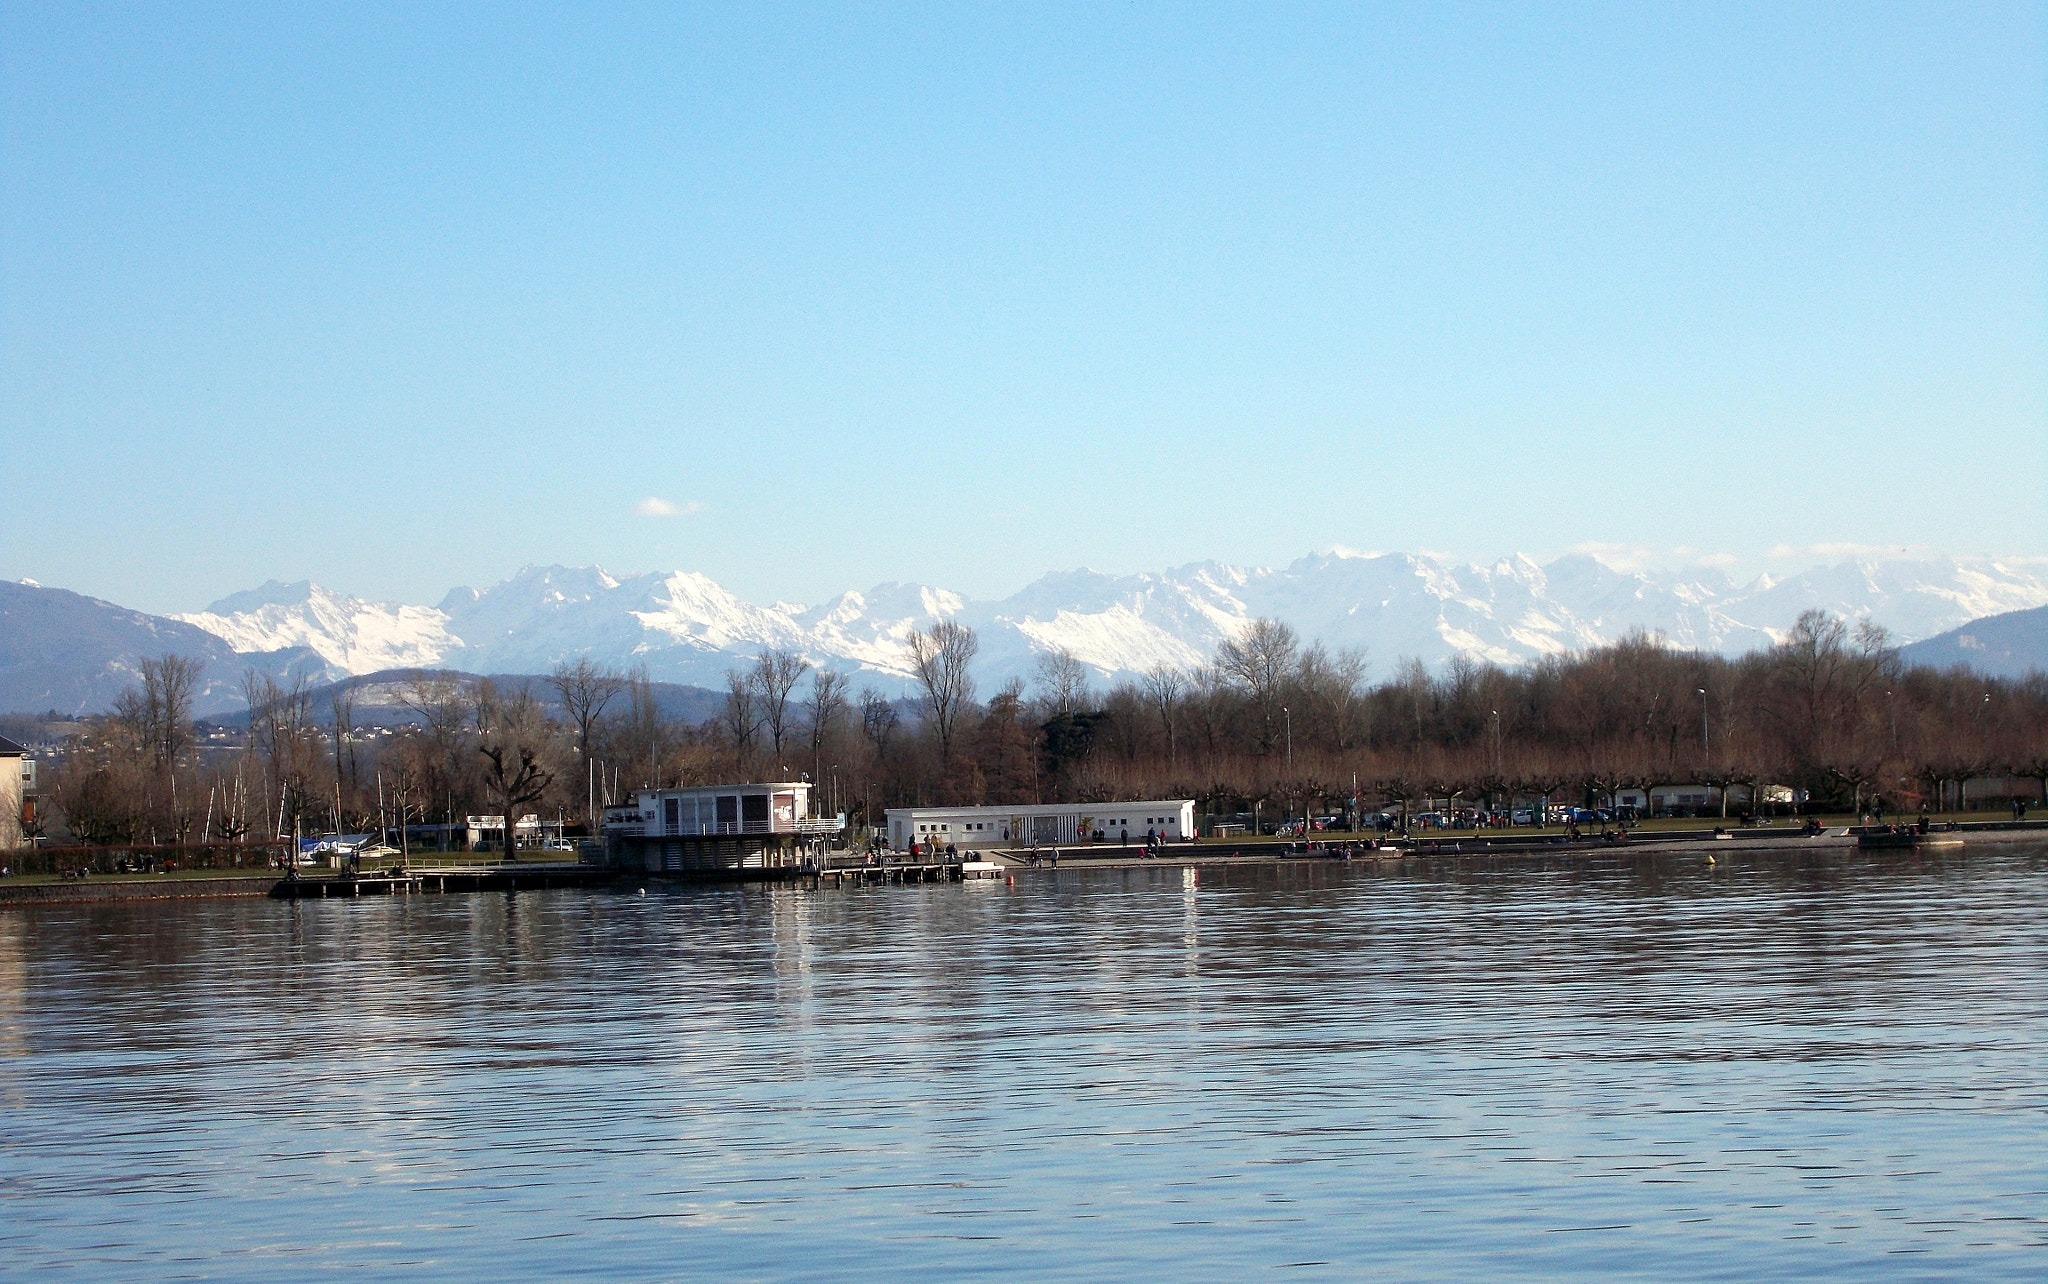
685 627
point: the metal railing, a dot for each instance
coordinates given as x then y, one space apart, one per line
726 828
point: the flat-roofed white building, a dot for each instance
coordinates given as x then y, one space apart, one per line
709 827
1041 824
17 795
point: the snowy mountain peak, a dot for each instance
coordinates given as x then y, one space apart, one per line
683 626
268 593
348 633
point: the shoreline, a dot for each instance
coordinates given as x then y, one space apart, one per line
1692 845
1837 838
135 887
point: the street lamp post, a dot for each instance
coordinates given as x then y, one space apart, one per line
1705 751
1496 754
1288 714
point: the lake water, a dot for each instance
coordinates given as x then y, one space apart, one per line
1834 1068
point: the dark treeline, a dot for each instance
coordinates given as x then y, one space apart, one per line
1271 722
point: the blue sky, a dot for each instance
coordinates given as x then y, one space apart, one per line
811 298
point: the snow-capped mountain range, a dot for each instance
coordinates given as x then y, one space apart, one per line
685 627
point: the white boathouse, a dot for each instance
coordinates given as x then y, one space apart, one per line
1041 824
710 827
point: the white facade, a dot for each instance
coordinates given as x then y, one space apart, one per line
708 828
529 831
708 811
17 793
1041 824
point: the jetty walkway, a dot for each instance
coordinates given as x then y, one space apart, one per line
503 876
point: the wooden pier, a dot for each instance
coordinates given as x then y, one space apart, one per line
877 875
459 878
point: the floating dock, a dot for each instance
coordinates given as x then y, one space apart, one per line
460 878
875 875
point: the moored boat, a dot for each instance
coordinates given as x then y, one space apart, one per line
1903 838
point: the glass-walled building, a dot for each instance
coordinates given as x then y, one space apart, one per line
710 827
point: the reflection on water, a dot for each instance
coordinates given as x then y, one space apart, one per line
1831 1068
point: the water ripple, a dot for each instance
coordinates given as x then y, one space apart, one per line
1786 1068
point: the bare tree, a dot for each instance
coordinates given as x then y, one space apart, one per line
584 689
233 824
281 723
341 706
1165 688
179 679
822 708
442 706
644 735
1205 707
1343 694
742 718
1261 661
515 777
1418 690
877 720
512 734
160 714
439 701
774 675
1062 682
940 655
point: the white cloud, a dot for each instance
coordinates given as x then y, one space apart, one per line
1843 551
1629 558
655 506
1616 557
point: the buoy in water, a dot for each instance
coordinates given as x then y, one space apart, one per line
643 891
